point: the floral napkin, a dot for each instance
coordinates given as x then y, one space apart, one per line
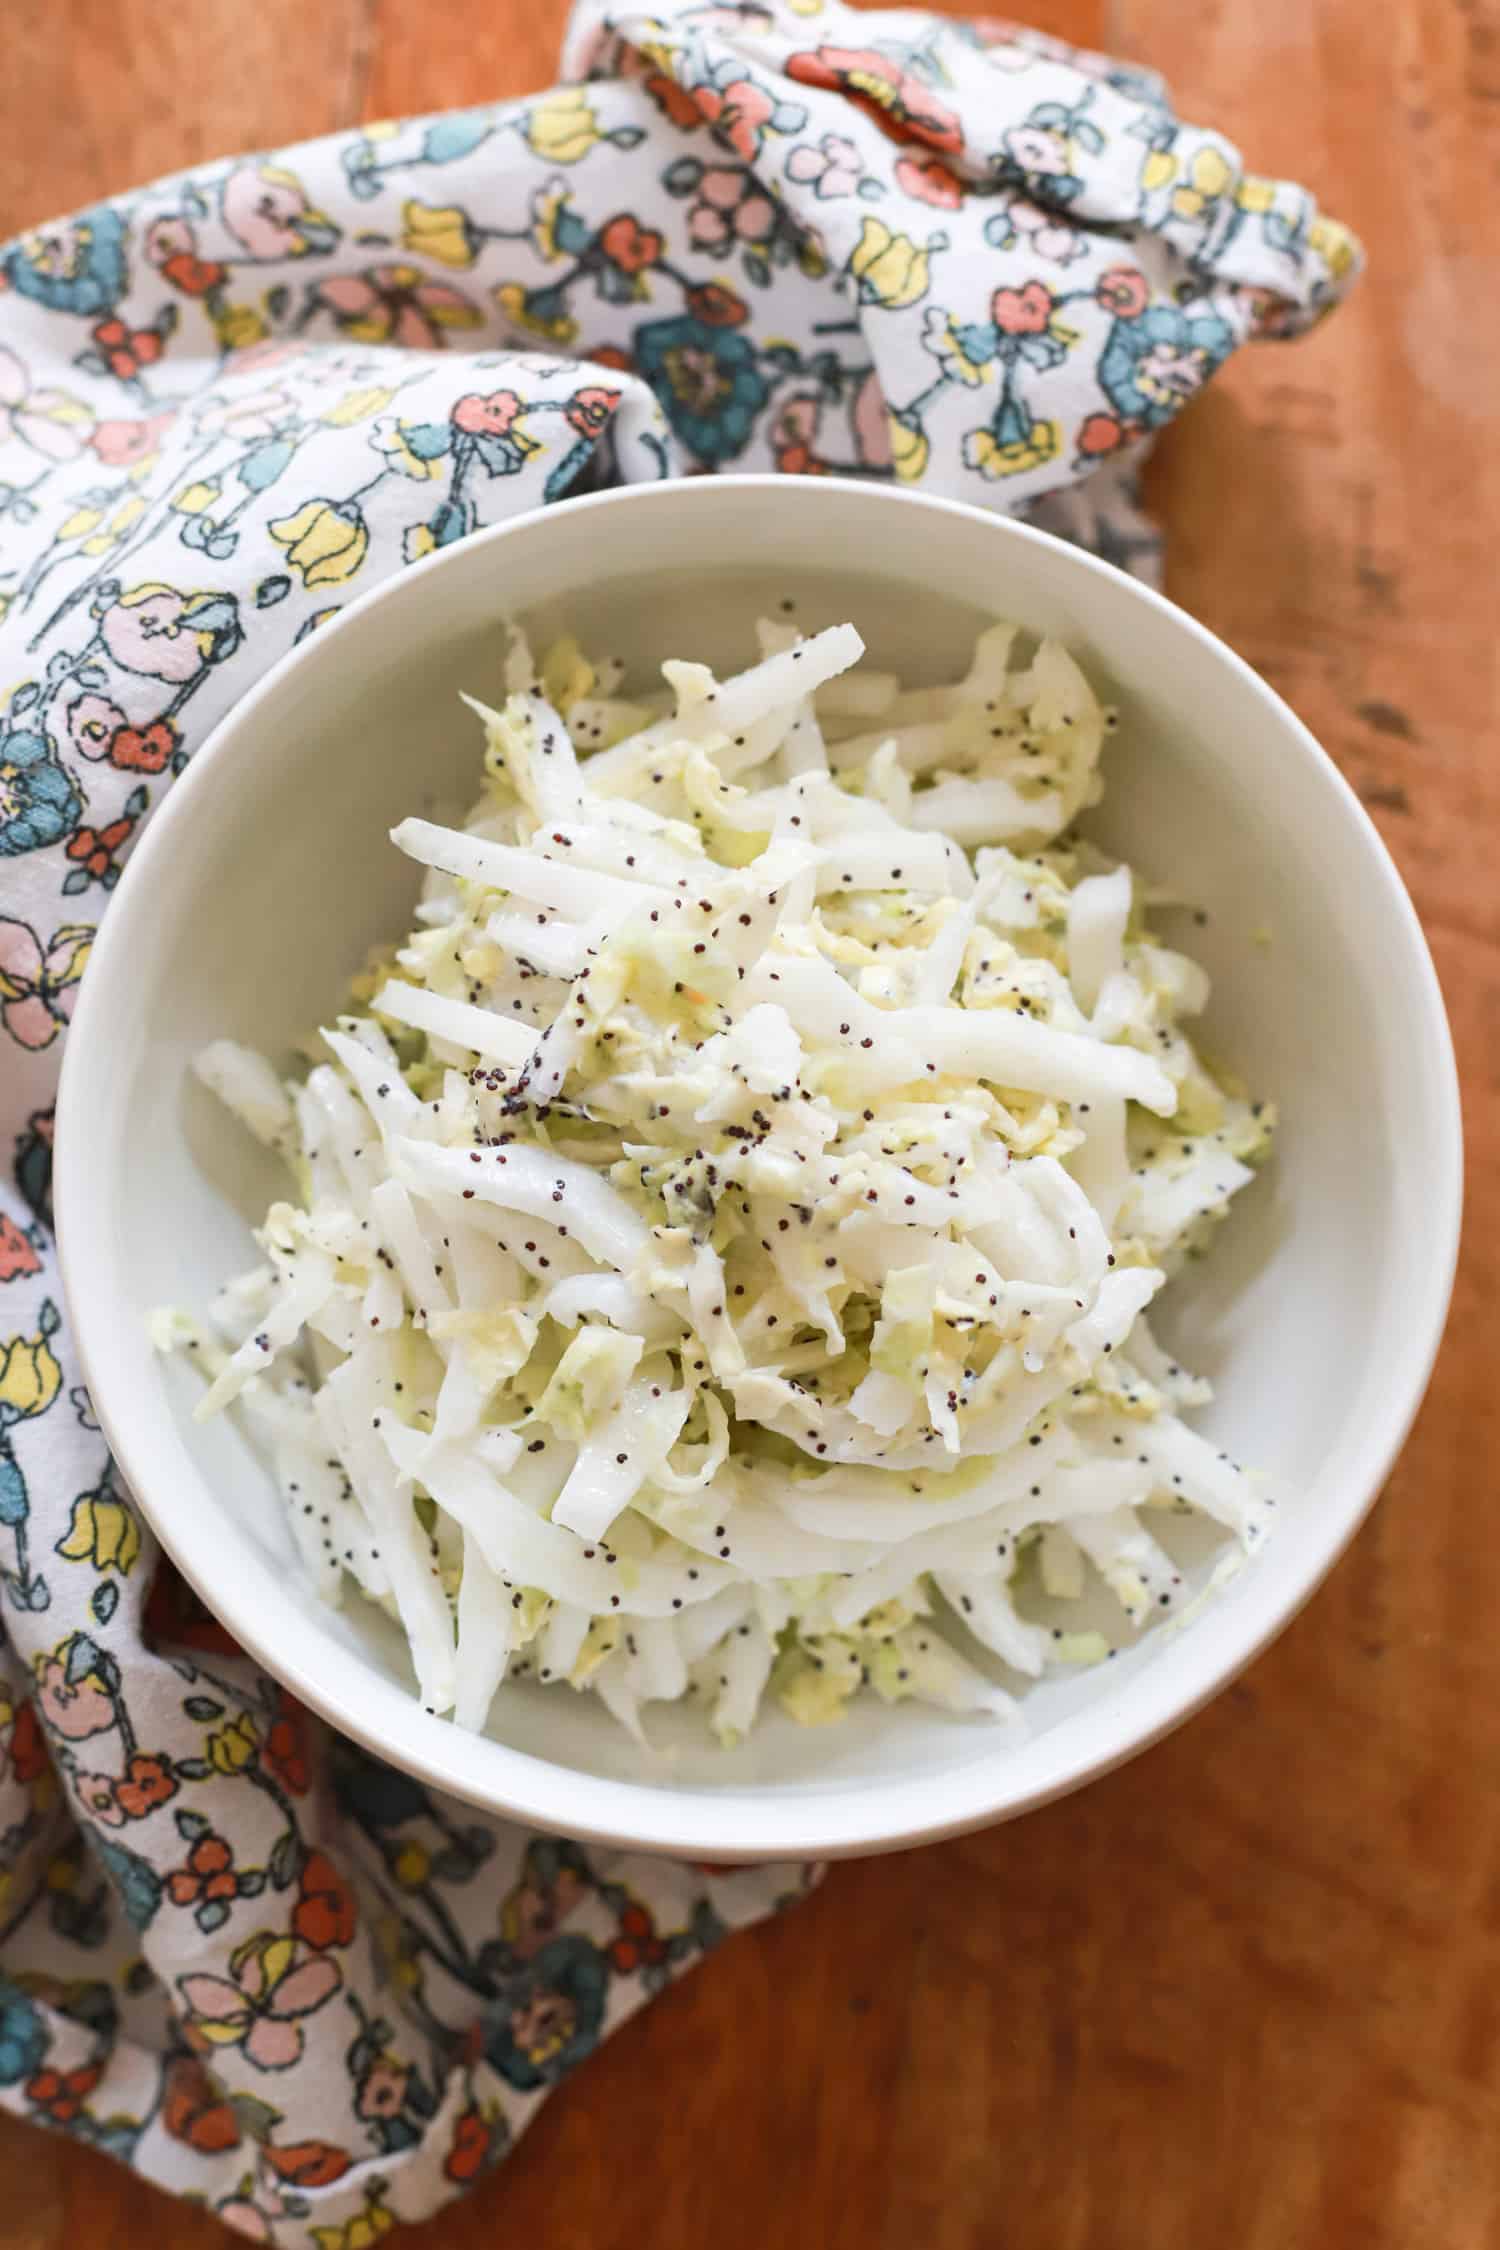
272 1974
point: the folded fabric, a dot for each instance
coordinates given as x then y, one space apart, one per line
274 1975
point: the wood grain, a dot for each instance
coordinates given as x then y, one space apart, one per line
1247 1991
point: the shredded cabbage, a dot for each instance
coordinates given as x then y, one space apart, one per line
723 1231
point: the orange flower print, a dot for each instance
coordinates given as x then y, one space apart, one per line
193 2112
284 1751
469 2149
209 1873
17 1258
61 2094
148 1782
125 351
903 108
93 849
325 1914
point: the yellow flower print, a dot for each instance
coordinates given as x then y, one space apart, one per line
325 541
120 525
1255 194
411 1866
440 231
891 269
1210 175
557 328
237 325
389 440
547 207
62 1873
30 1377
79 522
103 1531
357 406
395 1951
909 450
1334 244
194 498
941 336
362 2232
232 1748
983 451
562 128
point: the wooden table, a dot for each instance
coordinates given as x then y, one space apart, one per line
1246 1992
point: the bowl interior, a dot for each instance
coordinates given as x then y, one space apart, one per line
270 874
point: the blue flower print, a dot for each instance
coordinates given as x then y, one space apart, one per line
551 2016
1151 365
38 802
33 1165
708 382
74 265
136 1880
23 2036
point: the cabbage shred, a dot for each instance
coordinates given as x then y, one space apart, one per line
723 1232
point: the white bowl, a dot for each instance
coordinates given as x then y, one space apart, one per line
268 873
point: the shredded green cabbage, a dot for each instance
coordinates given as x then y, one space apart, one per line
723 1230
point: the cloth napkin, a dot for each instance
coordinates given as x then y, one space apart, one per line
269 1972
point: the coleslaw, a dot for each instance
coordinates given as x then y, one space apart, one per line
721 1235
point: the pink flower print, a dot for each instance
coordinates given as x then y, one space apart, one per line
255 414
729 207
490 416
1172 372
267 211
275 1985
245 2219
930 180
271 351
48 421
832 168
740 112
165 635
395 305
144 632
1124 291
96 1795
872 424
38 985
130 444
1049 236
75 1709
1022 312
92 721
